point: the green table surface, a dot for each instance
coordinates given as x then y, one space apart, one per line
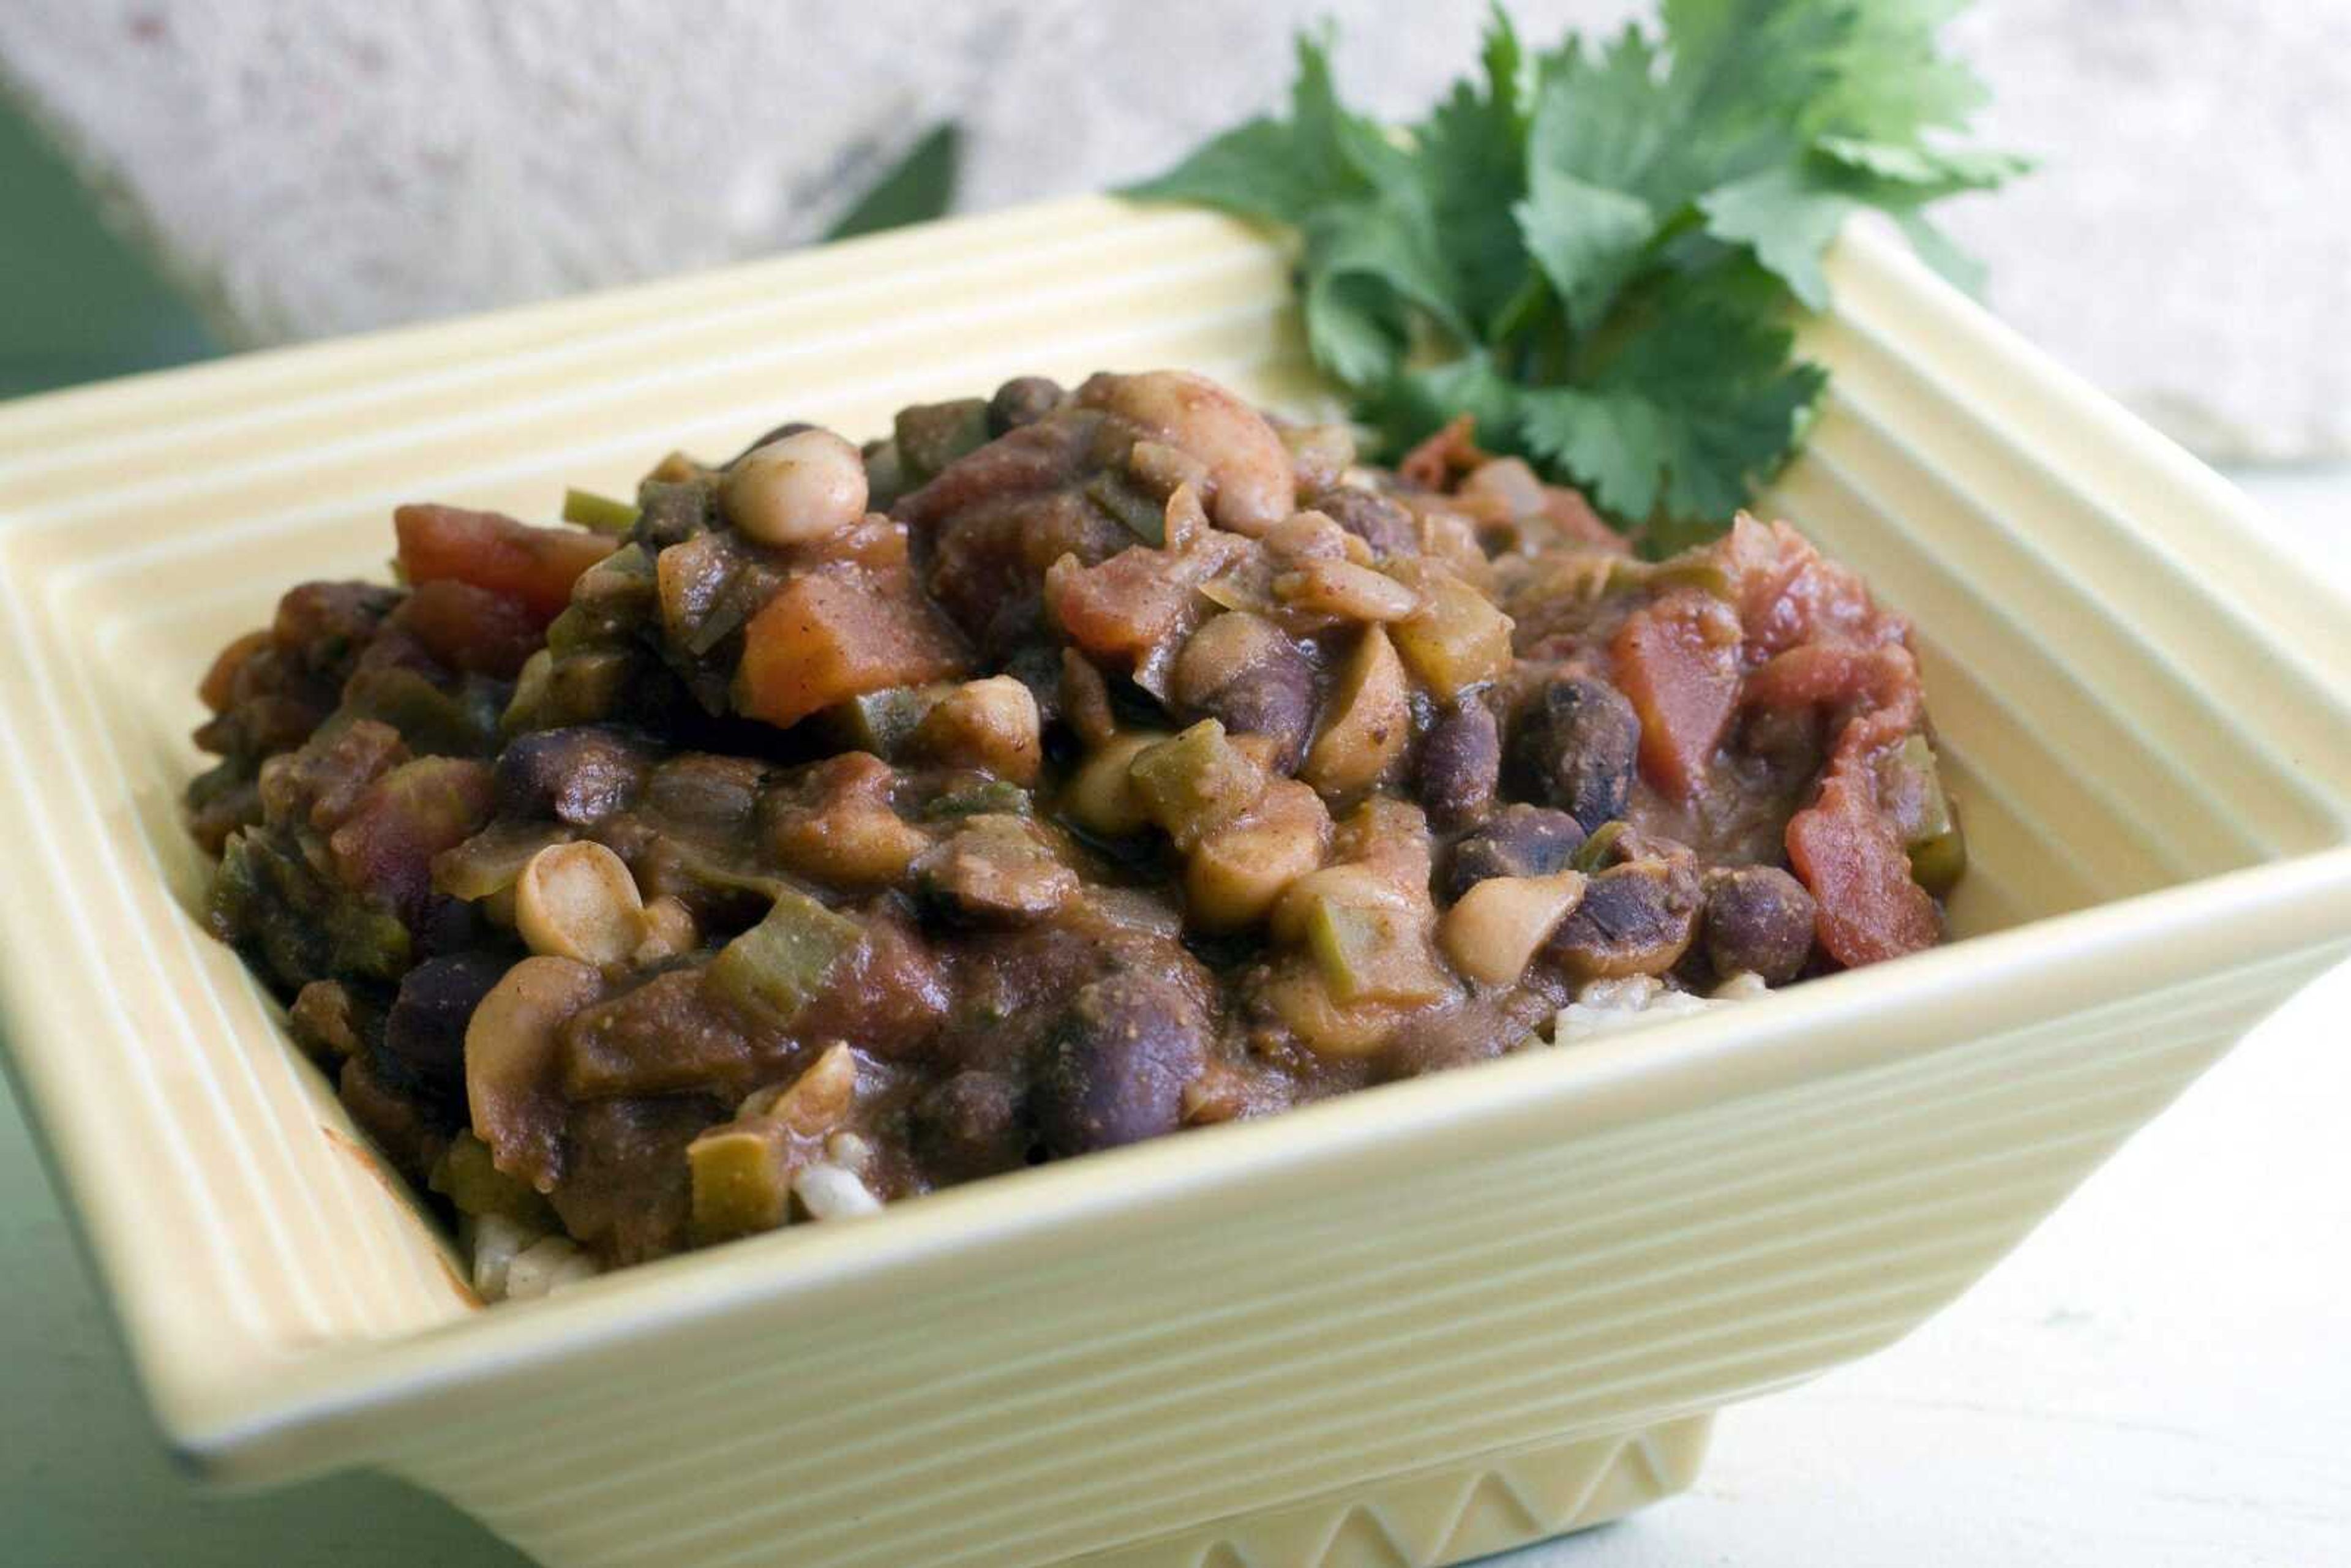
84 1480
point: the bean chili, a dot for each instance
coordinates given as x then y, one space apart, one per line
1061 771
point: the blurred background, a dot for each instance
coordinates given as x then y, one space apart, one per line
185 178
190 175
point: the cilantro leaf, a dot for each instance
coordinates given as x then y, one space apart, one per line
1249 171
1595 250
1692 410
1470 164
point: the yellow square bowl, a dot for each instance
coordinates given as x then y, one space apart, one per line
1414 1325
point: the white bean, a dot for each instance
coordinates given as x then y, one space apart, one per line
829 1192
809 486
578 901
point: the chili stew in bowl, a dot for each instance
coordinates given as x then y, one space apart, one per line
1064 770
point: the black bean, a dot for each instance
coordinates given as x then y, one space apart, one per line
1461 765
1381 522
1635 919
1575 748
1267 686
578 775
704 790
425 1029
1517 841
1116 1068
789 427
1023 400
971 1125
1758 919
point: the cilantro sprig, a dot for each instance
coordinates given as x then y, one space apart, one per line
1597 250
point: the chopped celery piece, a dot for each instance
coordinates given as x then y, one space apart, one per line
880 722
1194 782
1370 952
1124 504
726 618
467 1178
716 872
1696 569
1591 854
1938 850
981 797
1457 639
778 964
574 629
602 513
530 692
740 1180
492 859
1345 940
584 687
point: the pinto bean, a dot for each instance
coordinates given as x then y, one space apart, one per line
1119 1063
971 1124
1576 744
1759 919
1256 485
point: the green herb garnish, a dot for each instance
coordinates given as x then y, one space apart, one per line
1595 250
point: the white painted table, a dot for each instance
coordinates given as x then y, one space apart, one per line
2159 1378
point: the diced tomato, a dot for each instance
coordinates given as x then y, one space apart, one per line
385 847
1677 662
1879 682
470 630
1436 460
492 551
1790 594
1846 853
1130 610
1573 517
834 634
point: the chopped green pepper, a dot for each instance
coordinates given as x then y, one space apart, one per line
433 722
779 964
1593 853
932 435
601 513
